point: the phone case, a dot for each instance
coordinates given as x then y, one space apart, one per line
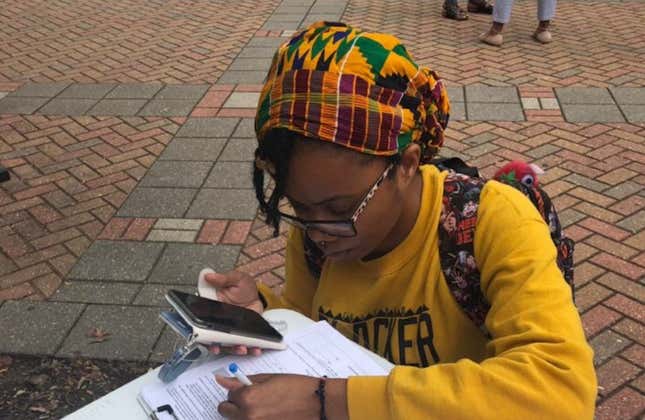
206 336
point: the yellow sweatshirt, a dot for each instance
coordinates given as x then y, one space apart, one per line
538 364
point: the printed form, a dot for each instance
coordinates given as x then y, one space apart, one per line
315 351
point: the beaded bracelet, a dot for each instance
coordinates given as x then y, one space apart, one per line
321 397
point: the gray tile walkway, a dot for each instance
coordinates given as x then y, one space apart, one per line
133 331
292 9
316 17
480 93
494 111
244 77
242 100
36 327
155 294
176 174
135 91
158 235
629 96
157 202
280 25
456 93
208 127
193 149
230 175
181 263
592 113
250 64
583 95
153 99
21 105
181 224
96 292
285 17
634 113
457 111
182 92
239 150
256 52
117 107
116 261
67 106
224 204
48 90
87 90
168 107
246 128
266 42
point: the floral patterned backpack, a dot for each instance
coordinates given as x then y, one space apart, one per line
457 222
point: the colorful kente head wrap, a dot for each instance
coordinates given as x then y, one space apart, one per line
356 89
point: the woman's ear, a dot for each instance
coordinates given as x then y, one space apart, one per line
410 159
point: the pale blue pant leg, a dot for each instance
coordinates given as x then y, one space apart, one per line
502 10
546 9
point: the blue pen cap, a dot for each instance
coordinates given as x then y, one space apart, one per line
233 368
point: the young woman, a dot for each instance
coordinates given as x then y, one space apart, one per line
344 123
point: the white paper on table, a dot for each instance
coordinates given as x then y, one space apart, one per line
315 351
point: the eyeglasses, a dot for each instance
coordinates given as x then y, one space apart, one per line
341 228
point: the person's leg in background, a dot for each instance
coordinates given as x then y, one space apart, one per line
480 6
451 10
546 12
501 16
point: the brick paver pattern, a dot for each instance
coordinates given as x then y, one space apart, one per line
127 41
73 173
70 175
596 43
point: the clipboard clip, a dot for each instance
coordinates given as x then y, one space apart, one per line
181 360
167 408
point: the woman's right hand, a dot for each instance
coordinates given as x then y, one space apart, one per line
236 288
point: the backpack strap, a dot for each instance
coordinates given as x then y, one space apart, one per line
457 224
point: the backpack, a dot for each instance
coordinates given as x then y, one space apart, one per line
457 222
457 232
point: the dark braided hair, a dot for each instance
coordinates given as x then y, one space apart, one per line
276 148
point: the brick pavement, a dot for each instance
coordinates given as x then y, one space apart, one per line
596 43
69 176
113 242
127 41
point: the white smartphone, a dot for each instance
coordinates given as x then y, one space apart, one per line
215 322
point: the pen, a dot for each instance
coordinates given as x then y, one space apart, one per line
234 370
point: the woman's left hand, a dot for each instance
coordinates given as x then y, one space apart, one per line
282 397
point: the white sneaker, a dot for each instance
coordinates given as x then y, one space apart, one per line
542 36
490 38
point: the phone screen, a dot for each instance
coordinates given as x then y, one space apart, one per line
224 317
